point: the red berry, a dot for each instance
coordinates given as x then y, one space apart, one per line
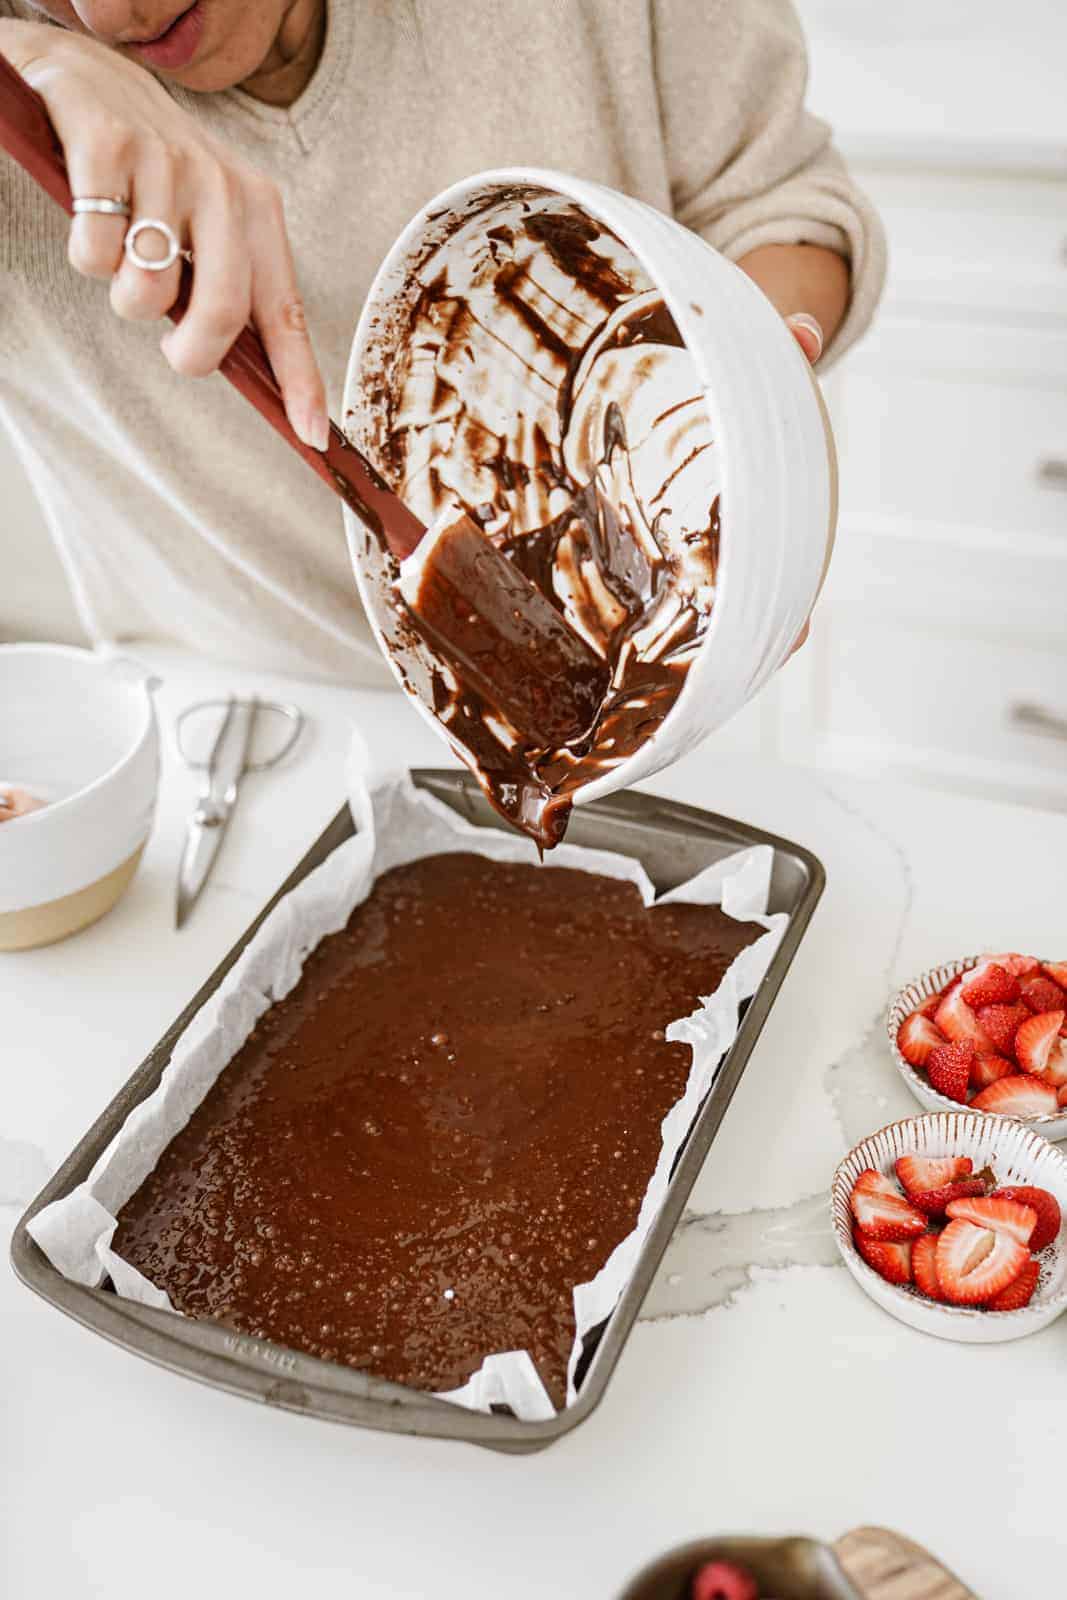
924 1266
1019 1293
958 1022
1017 1096
987 1069
916 1037
934 1201
1016 964
881 1211
723 1580
992 986
949 1068
890 1258
1057 971
919 1174
1041 994
974 1264
1001 1024
1038 1048
1046 1205
1012 1217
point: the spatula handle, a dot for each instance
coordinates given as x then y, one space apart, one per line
27 134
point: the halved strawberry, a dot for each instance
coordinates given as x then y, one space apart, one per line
1061 1098
987 1069
1012 1217
1038 1048
882 1211
957 1021
930 1004
1017 1096
974 1264
891 1259
921 1173
924 1266
1041 994
991 985
916 1037
934 1201
723 1580
949 1068
1057 971
1019 1293
1002 1023
1046 1205
1014 963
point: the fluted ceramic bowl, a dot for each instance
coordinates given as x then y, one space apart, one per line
1018 1156
1052 1125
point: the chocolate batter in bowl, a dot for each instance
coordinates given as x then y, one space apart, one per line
620 410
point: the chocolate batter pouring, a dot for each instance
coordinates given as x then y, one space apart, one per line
543 388
449 1123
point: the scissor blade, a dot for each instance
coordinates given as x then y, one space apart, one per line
201 848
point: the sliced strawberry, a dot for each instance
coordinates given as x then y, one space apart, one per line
1041 994
1038 1048
1046 1205
957 1021
921 1173
934 1201
882 1211
924 1266
930 1004
1002 1023
891 1259
1012 1217
1017 1096
987 1069
992 986
1016 964
974 1264
949 1068
1057 971
1019 1293
723 1580
916 1037
1061 1098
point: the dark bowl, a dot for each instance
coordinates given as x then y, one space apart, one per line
787 1569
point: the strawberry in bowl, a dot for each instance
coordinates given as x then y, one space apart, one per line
989 1032
954 1224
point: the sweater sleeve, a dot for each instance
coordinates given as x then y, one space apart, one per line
783 182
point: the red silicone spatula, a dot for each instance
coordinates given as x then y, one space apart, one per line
487 597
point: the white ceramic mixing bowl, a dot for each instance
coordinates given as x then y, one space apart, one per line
77 730
772 463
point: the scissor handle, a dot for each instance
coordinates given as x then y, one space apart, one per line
284 708
26 132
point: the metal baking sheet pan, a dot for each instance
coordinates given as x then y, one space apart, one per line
673 842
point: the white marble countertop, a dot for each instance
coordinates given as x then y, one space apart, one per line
761 1390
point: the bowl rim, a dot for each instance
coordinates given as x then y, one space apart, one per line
1044 1311
93 658
899 1008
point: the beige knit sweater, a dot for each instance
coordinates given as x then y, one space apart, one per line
177 514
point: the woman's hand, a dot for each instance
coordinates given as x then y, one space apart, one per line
124 138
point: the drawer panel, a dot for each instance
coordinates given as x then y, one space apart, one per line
929 430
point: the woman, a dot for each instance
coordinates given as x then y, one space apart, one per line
307 131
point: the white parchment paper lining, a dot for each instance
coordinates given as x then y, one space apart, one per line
397 823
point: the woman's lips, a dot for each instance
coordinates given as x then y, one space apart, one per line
176 47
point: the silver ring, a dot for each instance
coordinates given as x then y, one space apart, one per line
153 225
110 206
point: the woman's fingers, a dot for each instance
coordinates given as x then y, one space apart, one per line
222 275
278 312
807 331
137 294
100 168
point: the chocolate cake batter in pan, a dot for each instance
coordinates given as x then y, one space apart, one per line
454 1192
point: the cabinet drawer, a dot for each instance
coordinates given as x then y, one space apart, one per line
956 426
974 244
892 693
